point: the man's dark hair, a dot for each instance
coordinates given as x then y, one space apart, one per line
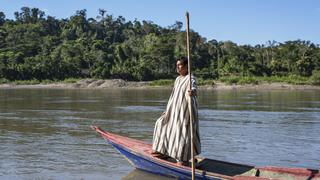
183 60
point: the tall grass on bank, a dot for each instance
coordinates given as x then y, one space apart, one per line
36 81
3 81
20 82
315 78
291 79
170 82
203 82
162 82
71 80
241 80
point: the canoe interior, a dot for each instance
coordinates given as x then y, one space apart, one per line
221 167
233 170
225 168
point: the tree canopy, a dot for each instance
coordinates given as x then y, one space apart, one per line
37 46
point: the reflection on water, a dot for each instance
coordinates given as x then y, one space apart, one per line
142 175
45 133
141 108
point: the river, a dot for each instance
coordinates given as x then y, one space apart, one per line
46 134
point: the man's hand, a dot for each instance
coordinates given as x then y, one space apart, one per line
192 92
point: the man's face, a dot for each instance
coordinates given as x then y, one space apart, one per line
181 69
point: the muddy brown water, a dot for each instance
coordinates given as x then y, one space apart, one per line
45 133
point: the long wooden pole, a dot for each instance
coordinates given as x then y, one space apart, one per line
190 100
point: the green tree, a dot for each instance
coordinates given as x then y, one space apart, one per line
2 18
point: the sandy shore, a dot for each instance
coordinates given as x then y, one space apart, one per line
119 83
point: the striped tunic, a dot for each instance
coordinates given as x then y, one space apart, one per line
172 131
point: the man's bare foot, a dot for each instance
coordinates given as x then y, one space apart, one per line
155 153
182 163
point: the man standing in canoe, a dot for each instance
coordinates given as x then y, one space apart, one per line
172 130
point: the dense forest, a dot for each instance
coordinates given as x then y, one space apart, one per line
37 46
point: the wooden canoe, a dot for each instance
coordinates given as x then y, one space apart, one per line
138 153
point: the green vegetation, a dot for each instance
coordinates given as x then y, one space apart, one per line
27 82
162 82
291 79
3 81
201 82
36 81
315 78
71 80
39 48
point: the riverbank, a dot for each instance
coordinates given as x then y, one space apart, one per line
119 83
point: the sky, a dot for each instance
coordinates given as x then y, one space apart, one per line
241 21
